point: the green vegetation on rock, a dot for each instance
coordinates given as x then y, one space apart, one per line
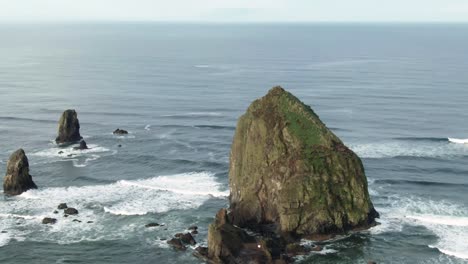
288 168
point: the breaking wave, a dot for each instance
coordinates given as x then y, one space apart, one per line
103 206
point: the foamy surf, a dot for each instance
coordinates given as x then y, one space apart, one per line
458 141
441 220
446 220
80 158
409 148
103 205
148 127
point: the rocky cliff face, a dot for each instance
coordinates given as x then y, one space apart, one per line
17 178
68 128
290 177
288 168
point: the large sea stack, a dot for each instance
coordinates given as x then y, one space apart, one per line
290 176
68 128
17 179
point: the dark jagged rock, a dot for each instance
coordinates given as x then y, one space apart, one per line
119 131
76 220
68 128
90 222
71 211
82 146
187 238
49 220
152 225
201 252
17 179
290 177
230 244
55 212
177 244
193 228
62 206
194 232
60 152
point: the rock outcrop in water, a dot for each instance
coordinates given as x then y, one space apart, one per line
68 128
82 146
17 179
290 177
119 131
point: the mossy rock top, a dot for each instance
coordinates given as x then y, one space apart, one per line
289 169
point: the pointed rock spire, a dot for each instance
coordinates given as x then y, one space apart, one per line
17 178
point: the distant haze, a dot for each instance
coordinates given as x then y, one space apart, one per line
236 10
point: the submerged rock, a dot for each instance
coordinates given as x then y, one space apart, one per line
152 225
49 220
290 177
68 128
62 206
71 211
17 179
82 146
119 131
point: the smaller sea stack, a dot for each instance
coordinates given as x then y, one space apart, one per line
17 179
68 128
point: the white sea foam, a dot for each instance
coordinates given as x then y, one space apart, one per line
458 141
390 149
461 255
102 204
148 127
64 152
80 158
441 220
448 221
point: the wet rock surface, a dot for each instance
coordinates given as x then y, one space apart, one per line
17 179
68 128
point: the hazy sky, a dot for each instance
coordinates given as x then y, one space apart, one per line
236 10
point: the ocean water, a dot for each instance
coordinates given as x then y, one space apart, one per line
394 94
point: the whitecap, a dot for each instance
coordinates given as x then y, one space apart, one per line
441 220
103 205
461 255
148 127
458 141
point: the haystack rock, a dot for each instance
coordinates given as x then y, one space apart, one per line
17 179
68 128
289 177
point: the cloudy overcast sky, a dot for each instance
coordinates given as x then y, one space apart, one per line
236 10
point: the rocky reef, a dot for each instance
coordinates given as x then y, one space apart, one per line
68 128
17 179
290 177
